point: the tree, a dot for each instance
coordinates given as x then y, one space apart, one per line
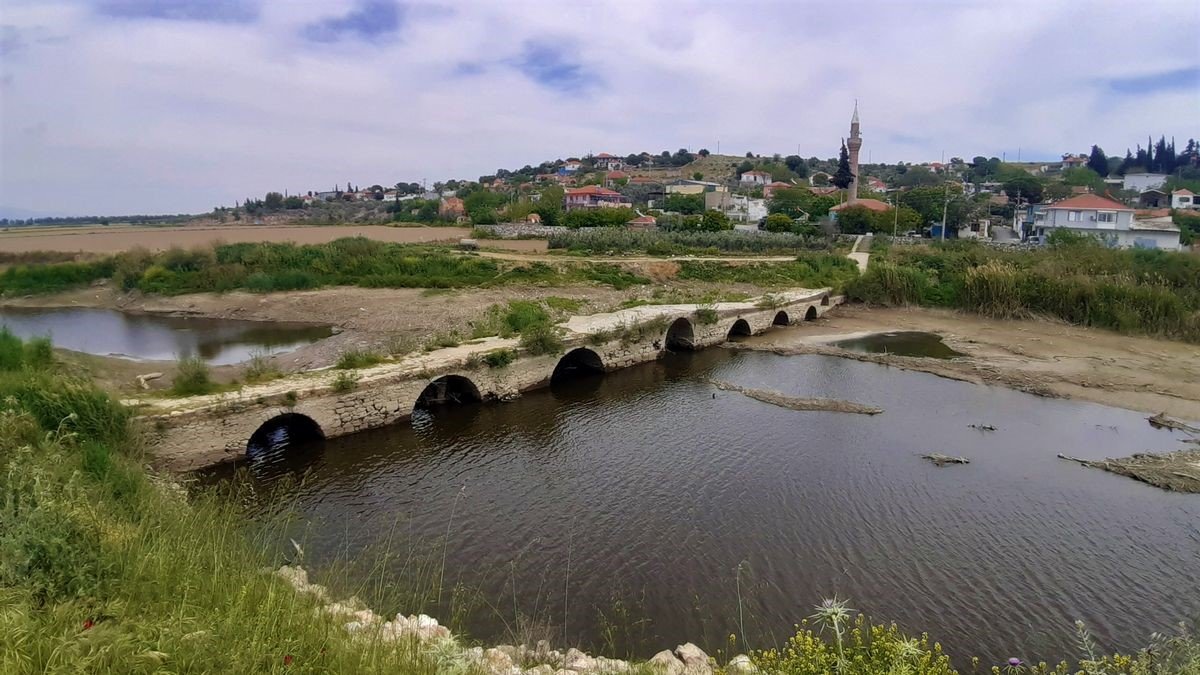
1056 191
856 220
697 175
843 176
550 205
745 166
293 203
1084 176
633 160
1098 162
750 155
703 152
820 180
793 162
1025 188
273 201
778 222
685 204
917 176
715 221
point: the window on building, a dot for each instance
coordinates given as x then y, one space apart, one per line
1074 216
1106 217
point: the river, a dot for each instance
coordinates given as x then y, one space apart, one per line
656 509
157 337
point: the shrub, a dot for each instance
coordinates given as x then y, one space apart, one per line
357 358
191 377
499 358
442 341
706 316
542 339
260 368
344 382
565 305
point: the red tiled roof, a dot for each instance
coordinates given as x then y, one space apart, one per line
593 190
1090 202
642 220
872 204
1183 192
779 184
605 155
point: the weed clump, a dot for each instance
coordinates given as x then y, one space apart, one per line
192 377
357 358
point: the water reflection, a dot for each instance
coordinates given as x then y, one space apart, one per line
157 337
903 343
657 489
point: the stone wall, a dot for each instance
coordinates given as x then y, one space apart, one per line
210 430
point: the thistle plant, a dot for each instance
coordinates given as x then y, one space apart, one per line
836 614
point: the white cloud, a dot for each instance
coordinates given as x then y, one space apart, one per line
119 115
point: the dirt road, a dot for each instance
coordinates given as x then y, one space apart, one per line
1137 373
105 240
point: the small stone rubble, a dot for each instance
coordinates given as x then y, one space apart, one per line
361 621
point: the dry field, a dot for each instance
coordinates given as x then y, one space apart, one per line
104 240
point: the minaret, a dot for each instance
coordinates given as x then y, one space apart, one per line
853 145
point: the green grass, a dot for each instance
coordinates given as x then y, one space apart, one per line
706 316
563 305
357 358
192 377
606 240
542 339
344 382
260 368
499 358
16 354
1078 281
811 270
276 267
442 341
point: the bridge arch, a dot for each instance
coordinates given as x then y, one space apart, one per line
681 336
579 362
825 300
447 390
811 313
781 319
740 328
281 433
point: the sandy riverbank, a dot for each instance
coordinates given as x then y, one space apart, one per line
1052 358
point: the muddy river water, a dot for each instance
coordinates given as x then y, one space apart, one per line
636 510
157 337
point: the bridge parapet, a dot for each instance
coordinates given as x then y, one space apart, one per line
189 433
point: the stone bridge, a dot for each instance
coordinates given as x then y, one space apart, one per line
198 431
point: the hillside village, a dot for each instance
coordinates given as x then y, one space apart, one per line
1150 198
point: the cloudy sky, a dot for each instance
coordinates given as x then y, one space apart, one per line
163 106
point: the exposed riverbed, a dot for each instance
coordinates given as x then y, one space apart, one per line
633 499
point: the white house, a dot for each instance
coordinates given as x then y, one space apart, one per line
609 162
755 178
1109 220
739 208
1184 199
1140 182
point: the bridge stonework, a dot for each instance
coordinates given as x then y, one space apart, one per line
193 433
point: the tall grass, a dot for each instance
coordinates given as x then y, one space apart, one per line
104 569
273 267
192 377
604 240
1138 291
813 270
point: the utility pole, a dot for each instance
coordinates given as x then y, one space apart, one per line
896 209
945 208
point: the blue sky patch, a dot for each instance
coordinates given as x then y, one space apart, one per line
221 11
370 20
1182 78
553 68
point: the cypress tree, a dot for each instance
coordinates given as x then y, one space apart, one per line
842 177
1097 161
